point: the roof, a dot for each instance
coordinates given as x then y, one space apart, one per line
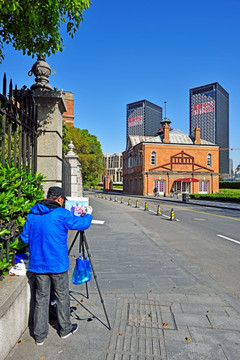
175 137
133 140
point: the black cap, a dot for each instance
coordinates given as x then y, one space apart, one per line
55 191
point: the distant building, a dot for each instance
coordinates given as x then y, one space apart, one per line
209 110
113 164
143 118
230 167
68 116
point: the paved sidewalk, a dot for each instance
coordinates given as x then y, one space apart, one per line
159 305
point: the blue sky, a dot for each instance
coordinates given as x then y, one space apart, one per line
132 50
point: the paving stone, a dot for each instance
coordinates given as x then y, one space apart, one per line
190 351
204 309
232 351
221 322
206 299
212 336
192 320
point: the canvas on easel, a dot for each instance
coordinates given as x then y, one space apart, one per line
77 205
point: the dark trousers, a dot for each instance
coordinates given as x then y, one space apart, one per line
60 285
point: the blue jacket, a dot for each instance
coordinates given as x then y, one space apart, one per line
46 231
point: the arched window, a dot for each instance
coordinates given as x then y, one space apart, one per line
209 159
153 158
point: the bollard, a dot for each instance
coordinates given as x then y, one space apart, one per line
110 198
137 204
99 195
95 195
122 202
146 206
105 197
172 215
115 199
159 210
102 196
129 202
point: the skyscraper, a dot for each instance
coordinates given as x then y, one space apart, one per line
209 110
143 118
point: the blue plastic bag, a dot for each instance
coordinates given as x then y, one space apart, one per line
82 272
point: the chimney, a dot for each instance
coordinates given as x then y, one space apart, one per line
197 136
166 133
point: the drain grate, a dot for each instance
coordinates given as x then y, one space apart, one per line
138 330
150 315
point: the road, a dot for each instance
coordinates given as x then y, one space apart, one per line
208 237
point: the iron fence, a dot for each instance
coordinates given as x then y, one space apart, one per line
18 126
18 142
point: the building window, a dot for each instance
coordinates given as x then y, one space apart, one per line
209 160
204 187
140 184
153 158
129 162
135 160
135 186
159 185
139 158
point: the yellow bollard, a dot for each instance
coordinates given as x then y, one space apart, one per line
115 199
95 195
129 202
105 197
159 210
102 196
172 215
137 204
122 202
146 206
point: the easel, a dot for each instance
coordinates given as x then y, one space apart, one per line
83 245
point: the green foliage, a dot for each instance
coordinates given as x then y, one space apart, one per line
229 184
34 26
65 137
14 207
89 151
118 186
227 197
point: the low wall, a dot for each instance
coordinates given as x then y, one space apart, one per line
15 310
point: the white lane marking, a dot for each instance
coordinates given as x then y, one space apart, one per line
227 238
99 222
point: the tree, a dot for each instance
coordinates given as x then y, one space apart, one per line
89 151
33 26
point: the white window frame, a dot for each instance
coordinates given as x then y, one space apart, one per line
209 160
153 158
203 187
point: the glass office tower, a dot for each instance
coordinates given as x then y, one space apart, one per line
209 110
143 118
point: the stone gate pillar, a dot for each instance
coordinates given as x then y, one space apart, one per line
76 172
50 105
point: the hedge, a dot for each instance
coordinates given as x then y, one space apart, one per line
229 184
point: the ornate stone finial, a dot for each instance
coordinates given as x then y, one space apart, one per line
71 147
42 71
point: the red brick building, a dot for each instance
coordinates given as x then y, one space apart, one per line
68 116
170 162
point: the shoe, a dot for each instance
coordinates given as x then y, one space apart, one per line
40 343
74 329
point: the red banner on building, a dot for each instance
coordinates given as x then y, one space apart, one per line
203 108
